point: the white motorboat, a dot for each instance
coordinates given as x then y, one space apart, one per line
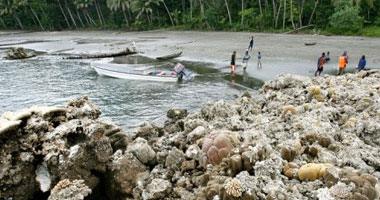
147 73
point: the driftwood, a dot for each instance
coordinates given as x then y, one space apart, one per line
19 53
127 51
310 43
171 56
300 28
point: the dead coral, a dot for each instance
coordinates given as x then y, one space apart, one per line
312 171
341 190
234 188
70 190
314 90
289 108
217 147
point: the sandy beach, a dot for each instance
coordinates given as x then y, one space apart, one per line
281 53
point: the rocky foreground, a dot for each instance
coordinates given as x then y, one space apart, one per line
298 138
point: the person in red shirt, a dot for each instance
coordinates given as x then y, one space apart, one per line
321 62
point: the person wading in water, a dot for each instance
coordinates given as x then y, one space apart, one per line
245 60
259 56
233 64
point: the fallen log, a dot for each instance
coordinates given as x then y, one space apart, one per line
127 51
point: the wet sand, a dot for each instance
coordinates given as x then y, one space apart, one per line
281 53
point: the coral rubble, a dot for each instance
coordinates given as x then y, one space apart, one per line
296 138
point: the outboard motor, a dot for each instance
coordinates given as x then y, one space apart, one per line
181 71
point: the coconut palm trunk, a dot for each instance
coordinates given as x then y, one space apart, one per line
98 12
242 9
2 22
92 21
64 15
300 11
191 9
80 18
167 10
37 18
70 14
18 21
274 12
31 16
125 17
228 11
86 18
312 13
278 14
260 7
202 8
284 17
45 16
291 14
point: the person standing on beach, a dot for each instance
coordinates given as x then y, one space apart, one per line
362 63
250 46
233 64
327 58
343 60
321 62
245 60
259 56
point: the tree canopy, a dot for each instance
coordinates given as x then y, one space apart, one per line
340 16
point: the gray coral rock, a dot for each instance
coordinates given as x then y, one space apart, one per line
70 190
157 189
141 149
174 159
124 171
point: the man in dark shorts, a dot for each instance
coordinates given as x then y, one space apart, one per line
327 58
321 62
233 65
250 44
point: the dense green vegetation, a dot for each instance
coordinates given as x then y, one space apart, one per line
332 16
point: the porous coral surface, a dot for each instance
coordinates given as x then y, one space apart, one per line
296 138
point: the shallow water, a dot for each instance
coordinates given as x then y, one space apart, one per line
52 81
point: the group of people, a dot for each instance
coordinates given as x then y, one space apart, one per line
246 57
325 58
342 64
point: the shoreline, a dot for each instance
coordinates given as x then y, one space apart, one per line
281 53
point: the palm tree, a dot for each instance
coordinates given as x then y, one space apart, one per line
228 11
84 5
10 7
71 15
167 10
28 4
99 12
122 5
63 13
2 22
144 7
312 13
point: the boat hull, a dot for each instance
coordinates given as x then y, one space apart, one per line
131 76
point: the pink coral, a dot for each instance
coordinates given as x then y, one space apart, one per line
217 147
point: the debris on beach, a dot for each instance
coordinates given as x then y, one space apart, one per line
19 53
